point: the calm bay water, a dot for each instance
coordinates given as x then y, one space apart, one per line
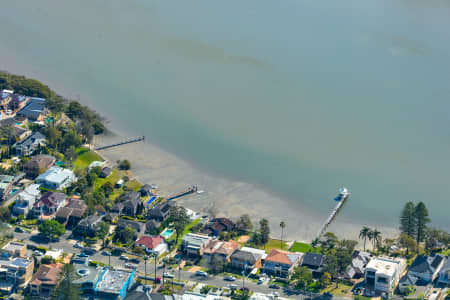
298 97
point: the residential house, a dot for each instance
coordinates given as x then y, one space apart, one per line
26 199
88 226
72 213
56 178
30 144
193 244
383 273
110 217
219 225
131 204
106 171
5 98
423 270
38 164
220 249
114 284
314 262
15 273
17 132
17 101
49 204
427 267
138 226
152 226
45 280
14 249
281 263
117 208
358 266
146 190
160 212
152 244
6 184
444 274
247 258
34 110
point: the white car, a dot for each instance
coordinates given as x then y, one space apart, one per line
201 273
37 252
276 294
129 266
123 257
168 275
230 278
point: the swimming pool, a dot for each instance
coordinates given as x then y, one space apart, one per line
167 233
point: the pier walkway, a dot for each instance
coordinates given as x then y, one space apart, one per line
331 217
142 138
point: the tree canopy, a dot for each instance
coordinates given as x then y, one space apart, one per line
51 228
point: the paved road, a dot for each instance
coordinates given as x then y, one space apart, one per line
67 245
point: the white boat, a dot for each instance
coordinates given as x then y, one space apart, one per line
343 193
200 192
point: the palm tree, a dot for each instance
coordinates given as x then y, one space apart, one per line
145 266
282 225
364 234
376 238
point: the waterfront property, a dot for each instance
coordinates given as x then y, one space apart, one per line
423 270
131 203
218 225
30 144
357 268
38 164
152 244
114 284
34 110
383 273
45 280
56 178
220 249
160 212
444 274
281 263
314 262
26 199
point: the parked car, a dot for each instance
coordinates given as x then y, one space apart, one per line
274 286
37 252
276 294
106 253
78 245
129 266
135 260
232 286
201 273
82 254
229 278
168 275
20 230
123 257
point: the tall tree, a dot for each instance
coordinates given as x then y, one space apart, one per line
407 242
283 226
364 234
51 228
376 238
264 230
408 223
66 290
422 219
102 231
179 218
244 224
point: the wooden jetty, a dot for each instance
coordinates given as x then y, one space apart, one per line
138 139
342 197
190 190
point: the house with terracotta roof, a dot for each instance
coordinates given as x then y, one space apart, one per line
220 249
45 280
152 244
49 204
38 164
281 263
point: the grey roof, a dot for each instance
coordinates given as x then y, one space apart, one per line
245 256
33 109
33 139
408 279
426 264
313 259
446 265
90 220
122 223
153 224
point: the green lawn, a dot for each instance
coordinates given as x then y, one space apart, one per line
304 248
342 289
133 185
271 244
85 158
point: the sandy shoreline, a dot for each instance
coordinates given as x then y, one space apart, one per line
230 198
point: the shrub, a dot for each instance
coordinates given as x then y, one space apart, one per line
42 249
47 260
138 250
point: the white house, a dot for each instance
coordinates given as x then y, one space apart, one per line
152 244
56 178
26 199
384 273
